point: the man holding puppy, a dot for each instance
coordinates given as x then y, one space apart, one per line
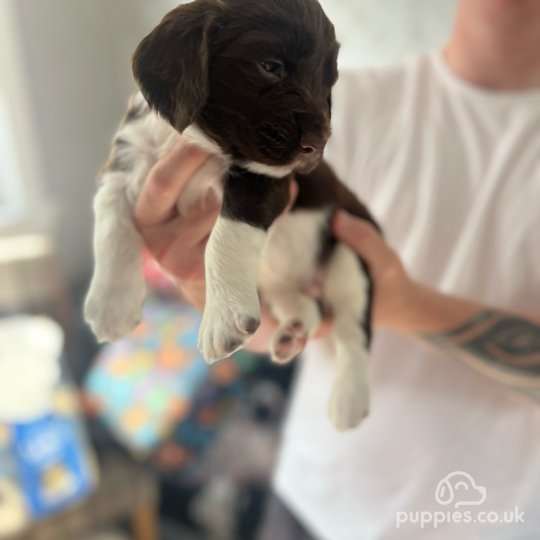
445 150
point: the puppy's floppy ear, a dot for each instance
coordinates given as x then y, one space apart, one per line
171 63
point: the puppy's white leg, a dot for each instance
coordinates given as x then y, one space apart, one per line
347 291
289 267
114 302
251 204
232 312
349 400
298 316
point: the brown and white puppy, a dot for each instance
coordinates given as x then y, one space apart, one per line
251 82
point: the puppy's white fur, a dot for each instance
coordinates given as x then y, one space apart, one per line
194 135
232 308
273 171
114 302
285 281
346 291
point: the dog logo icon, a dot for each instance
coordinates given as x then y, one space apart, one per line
461 489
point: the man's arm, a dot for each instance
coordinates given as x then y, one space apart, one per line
503 346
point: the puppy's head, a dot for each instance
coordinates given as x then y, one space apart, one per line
254 75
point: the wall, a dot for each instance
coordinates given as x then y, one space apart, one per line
20 175
76 61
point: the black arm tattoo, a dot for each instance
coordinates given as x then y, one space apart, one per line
502 346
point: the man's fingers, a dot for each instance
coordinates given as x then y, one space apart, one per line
324 330
200 221
293 194
186 231
259 343
363 238
162 189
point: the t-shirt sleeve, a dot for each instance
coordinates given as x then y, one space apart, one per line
362 101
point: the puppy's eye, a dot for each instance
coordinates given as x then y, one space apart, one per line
273 67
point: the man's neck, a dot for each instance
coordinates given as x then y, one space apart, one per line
496 44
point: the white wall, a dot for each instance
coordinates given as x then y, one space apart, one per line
76 60
20 169
76 57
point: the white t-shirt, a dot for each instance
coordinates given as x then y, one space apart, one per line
452 172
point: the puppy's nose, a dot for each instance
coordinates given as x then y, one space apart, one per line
311 143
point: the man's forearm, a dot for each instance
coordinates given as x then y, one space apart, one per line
501 345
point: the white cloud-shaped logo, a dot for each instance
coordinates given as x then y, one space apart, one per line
460 488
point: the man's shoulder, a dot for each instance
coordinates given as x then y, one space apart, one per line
368 98
368 107
382 80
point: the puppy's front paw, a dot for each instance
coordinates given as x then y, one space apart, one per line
288 342
224 330
349 402
113 312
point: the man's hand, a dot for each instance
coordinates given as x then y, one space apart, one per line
400 304
177 242
394 291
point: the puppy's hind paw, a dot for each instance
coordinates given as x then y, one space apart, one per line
288 342
349 403
113 314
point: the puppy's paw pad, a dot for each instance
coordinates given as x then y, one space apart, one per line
223 332
249 325
349 404
289 341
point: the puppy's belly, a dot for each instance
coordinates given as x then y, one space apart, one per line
292 251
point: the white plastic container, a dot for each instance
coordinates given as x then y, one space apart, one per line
30 349
45 461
